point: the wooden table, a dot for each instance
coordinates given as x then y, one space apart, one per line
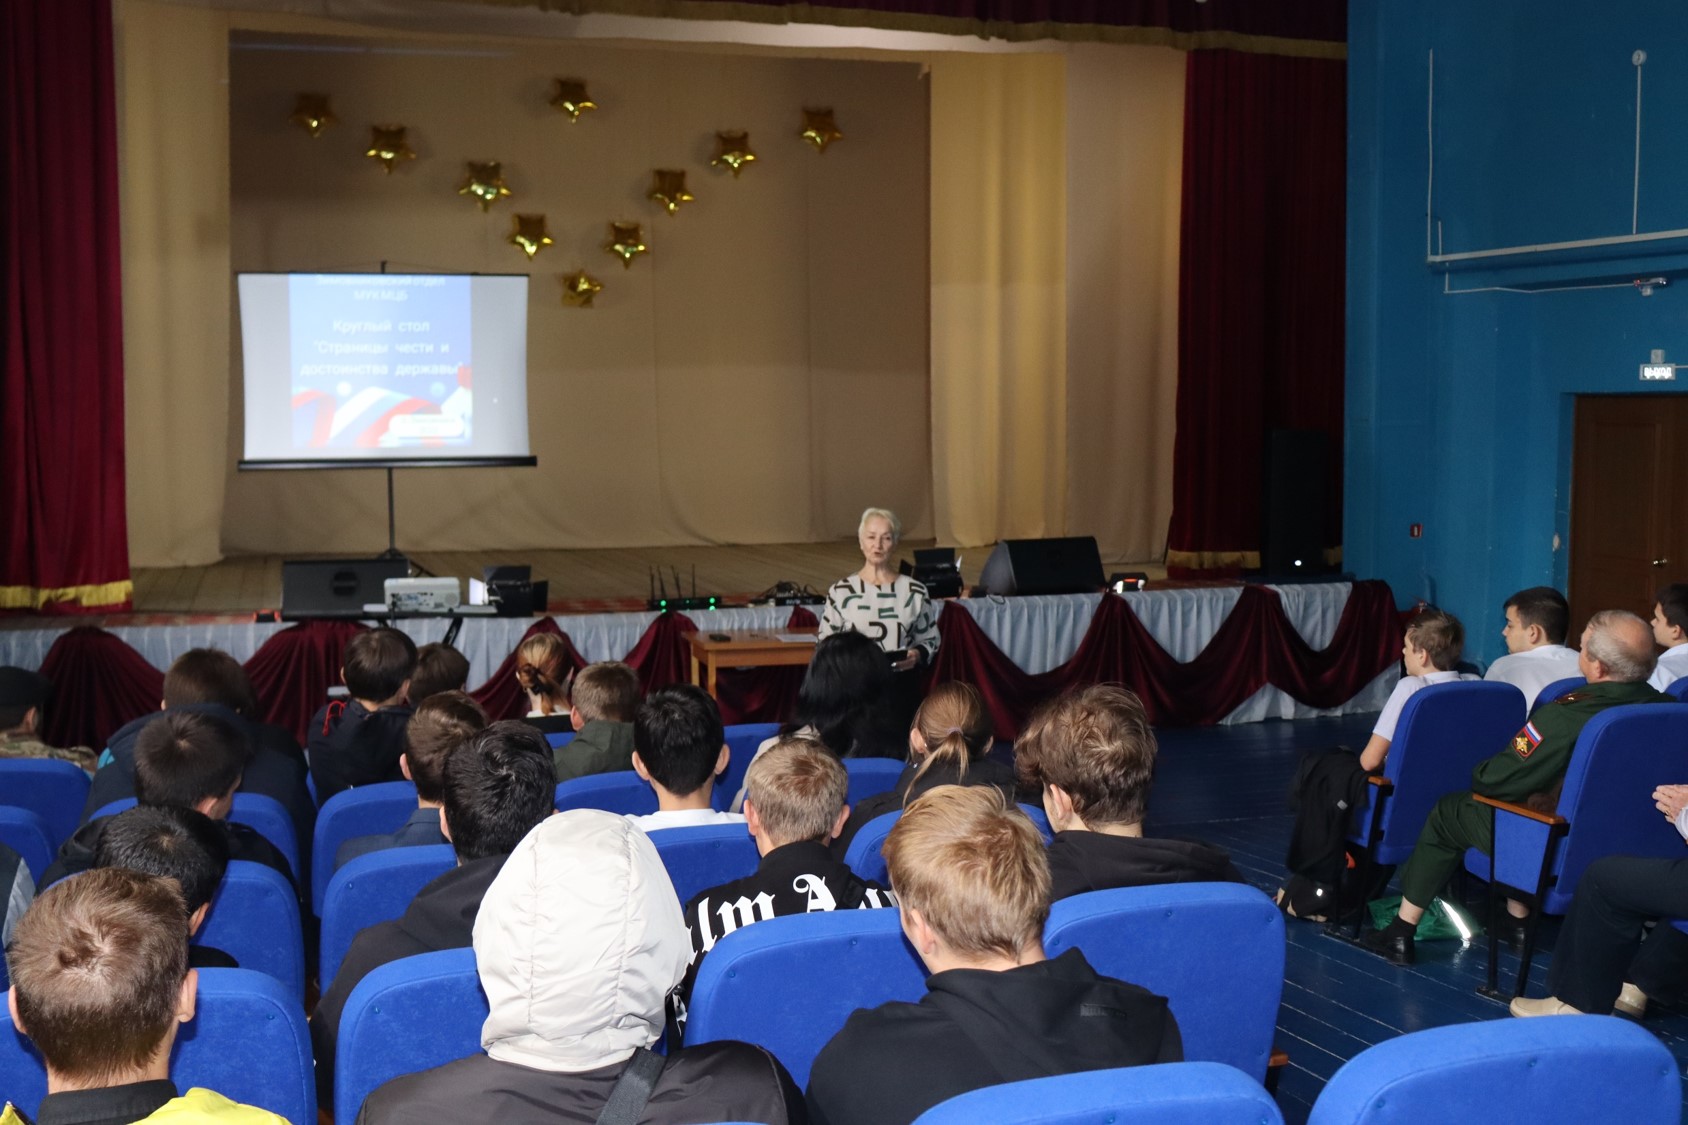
754 649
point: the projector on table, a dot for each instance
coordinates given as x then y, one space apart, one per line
422 595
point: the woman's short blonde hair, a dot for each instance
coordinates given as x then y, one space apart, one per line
888 516
974 867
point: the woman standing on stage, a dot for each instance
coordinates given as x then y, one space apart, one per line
891 609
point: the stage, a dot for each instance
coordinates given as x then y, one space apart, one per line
1281 658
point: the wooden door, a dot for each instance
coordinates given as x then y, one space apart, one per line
1629 534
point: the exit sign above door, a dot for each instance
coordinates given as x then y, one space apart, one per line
1658 372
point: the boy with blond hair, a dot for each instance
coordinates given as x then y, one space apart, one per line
972 886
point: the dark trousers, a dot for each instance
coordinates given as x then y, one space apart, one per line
1455 824
1598 944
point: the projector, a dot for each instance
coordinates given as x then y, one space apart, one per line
422 595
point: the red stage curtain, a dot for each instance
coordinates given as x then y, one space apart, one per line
294 669
65 549
501 695
1261 297
99 684
1257 645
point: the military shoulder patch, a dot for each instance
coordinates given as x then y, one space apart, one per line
1524 743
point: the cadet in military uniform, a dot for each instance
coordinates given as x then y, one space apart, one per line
1616 659
22 695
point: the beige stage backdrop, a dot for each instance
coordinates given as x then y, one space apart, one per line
769 369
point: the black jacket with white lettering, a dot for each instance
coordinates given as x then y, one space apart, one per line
799 878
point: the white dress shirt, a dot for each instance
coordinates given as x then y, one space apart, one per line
1533 669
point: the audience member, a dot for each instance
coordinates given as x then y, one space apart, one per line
1616 659
543 669
1536 623
1604 958
1092 755
579 942
1670 630
100 982
441 723
680 750
209 681
180 844
439 668
17 891
972 884
846 702
1434 643
186 760
23 695
602 701
796 805
948 744
497 787
360 741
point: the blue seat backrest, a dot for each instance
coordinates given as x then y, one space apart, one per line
1186 1093
1558 689
872 776
705 856
364 811
559 738
374 888
1678 689
406 1016
1443 732
247 1041
53 790
742 741
1621 756
1039 818
619 792
254 918
788 984
863 855
1538 1071
264 815
1214 950
27 834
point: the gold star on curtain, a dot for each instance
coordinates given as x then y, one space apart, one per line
626 242
311 113
579 288
668 187
485 183
571 98
819 129
732 151
530 235
388 145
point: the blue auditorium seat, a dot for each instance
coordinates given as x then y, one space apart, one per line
1558 689
370 889
620 792
254 918
788 984
247 1041
1186 1093
1214 950
1564 1070
705 856
264 815
363 811
871 776
1678 688
27 834
742 741
863 855
52 789
406 1016
1605 808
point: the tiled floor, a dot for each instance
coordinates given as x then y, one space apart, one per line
1228 785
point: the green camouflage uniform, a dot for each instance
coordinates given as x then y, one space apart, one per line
16 744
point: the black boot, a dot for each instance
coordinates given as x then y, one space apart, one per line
1394 943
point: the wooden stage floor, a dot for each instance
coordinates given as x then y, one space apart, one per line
580 580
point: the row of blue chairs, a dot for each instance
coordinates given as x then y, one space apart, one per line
1605 808
1216 951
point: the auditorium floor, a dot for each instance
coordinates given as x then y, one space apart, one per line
579 579
1228 785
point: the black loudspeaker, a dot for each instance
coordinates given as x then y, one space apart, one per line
1295 489
336 587
1043 566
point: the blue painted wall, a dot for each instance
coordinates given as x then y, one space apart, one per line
1459 404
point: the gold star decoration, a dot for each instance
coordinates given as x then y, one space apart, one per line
732 151
485 182
819 129
626 242
668 187
387 144
579 288
530 235
311 113
571 99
